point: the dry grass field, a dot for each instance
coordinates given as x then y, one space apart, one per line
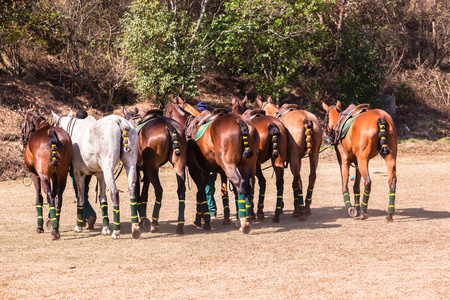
330 256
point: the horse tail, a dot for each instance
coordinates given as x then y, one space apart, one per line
384 150
126 146
53 137
245 133
308 140
274 131
174 137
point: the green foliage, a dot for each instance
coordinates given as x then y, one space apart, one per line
159 44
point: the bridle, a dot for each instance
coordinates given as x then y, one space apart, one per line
28 127
239 106
331 132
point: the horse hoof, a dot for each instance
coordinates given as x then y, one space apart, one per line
78 229
154 228
180 229
276 219
352 212
55 234
226 221
145 224
302 216
296 213
260 217
116 234
48 224
207 226
136 231
39 230
389 218
198 224
307 211
106 231
364 215
245 227
90 223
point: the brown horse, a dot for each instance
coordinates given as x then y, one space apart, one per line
304 138
161 139
273 146
218 150
371 132
48 154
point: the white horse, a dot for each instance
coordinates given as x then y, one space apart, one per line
98 145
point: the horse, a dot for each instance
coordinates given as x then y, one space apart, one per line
273 146
47 154
304 139
98 145
369 133
218 150
161 139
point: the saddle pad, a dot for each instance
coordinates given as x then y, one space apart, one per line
202 130
346 127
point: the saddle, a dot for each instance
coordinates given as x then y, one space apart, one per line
140 120
203 118
251 114
345 120
284 109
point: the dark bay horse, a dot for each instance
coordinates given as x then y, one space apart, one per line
161 139
228 146
371 132
273 146
304 139
48 154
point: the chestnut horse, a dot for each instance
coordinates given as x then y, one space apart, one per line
218 150
371 132
161 139
304 139
48 154
273 146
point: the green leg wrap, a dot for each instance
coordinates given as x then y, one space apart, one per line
80 216
134 213
199 209
142 211
40 218
116 213
279 205
295 197
156 208
365 200
205 210
181 207
261 201
347 202
58 214
104 209
301 204
52 211
226 206
241 206
391 208
357 205
248 206
308 199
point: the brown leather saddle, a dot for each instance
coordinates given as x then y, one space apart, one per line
340 130
203 118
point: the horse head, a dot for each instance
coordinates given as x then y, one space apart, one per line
268 106
32 121
331 119
239 107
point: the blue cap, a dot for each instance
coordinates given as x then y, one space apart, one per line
201 106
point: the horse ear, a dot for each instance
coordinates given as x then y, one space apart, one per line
233 101
258 101
338 104
269 99
176 99
70 114
324 106
22 113
55 116
124 110
245 99
136 110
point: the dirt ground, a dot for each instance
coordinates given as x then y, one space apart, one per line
330 256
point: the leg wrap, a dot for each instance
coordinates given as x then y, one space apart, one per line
308 199
58 214
261 201
80 216
241 207
279 206
181 207
346 200
301 204
391 208
205 210
199 209
134 213
365 200
40 218
156 208
104 209
226 206
53 217
357 205
116 214
295 198
248 206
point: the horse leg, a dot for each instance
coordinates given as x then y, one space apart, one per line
391 166
279 176
299 206
39 204
143 200
363 165
108 176
154 180
80 182
201 179
313 162
262 191
180 170
103 205
132 179
357 191
345 167
46 185
225 199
